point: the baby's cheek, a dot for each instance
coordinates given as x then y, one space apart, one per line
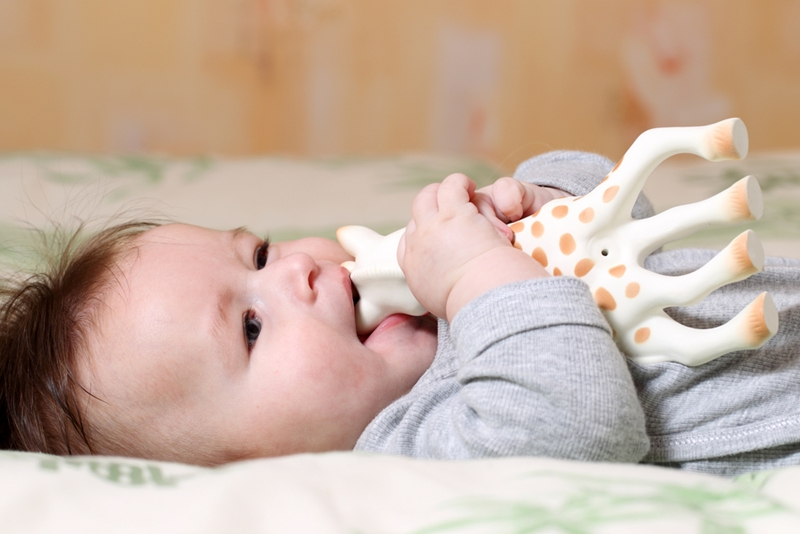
319 248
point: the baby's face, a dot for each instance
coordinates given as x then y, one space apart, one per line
209 344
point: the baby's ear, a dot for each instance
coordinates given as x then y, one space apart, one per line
355 239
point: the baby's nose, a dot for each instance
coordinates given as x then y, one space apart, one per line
300 274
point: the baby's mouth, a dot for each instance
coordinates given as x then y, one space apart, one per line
356 298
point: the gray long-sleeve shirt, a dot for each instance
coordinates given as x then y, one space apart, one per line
530 369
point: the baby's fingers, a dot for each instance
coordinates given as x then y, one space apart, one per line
401 245
485 207
514 199
455 192
425 204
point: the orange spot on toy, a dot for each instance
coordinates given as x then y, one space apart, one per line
539 255
604 299
583 267
617 271
642 335
632 289
610 193
586 215
567 244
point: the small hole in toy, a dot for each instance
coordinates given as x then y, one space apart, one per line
604 252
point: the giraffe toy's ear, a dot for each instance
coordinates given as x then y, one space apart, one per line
356 239
380 282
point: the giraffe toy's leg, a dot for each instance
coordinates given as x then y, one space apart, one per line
723 140
740 202
743 257
661 339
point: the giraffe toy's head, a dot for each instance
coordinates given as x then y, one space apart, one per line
595 238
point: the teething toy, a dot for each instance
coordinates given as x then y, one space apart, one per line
594 238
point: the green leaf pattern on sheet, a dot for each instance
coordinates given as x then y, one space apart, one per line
115 471
513 496
119 182
779 178
137 170
577 504
592 504
65 186
79 169
779 174
417 175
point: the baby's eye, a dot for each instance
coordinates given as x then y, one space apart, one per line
252 327
261 255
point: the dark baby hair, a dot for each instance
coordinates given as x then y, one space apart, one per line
46 320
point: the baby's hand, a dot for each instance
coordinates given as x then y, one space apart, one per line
451 253
508 200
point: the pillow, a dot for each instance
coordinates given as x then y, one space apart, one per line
284 197
288 197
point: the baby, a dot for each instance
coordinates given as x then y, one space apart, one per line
187 344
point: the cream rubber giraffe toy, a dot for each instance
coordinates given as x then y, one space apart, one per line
595 238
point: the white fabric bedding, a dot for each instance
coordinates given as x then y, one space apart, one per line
349 492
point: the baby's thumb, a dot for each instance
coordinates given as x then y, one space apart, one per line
503 229
401 245
487 209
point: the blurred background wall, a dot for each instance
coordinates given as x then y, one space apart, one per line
502 79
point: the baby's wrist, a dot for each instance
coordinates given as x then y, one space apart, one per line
494 268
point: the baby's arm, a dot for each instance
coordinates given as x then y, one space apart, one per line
538 372
527 369
541 374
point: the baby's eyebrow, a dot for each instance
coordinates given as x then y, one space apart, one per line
227 329
236 235
219 324
220 321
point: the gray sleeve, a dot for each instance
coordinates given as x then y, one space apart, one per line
538 374
541 374
739 412
576 173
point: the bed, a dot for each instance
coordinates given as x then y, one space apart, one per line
354 492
